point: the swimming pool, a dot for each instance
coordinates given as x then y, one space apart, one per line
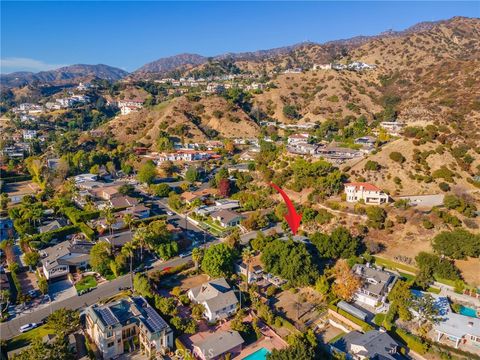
468 311
260 354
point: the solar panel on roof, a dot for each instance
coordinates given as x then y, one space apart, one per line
154 320
108 316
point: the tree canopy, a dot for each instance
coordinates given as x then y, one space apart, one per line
218 260
457 244
339 244
290 260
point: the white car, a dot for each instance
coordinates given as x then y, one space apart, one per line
169 213
28 327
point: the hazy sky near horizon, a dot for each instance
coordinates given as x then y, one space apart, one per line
42 35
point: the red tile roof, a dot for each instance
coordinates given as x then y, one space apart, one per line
366 186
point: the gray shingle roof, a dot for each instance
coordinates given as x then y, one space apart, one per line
219 343
217 294
66 253
377 344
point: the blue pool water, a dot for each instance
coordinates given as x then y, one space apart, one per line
260 354
468 311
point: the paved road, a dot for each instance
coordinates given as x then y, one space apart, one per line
245 238
10 328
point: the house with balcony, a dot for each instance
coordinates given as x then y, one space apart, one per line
217 297
376 284
127 325
61 259
370 194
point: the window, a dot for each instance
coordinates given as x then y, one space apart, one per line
109 333
110 344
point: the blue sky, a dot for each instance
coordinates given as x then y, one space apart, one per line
43 35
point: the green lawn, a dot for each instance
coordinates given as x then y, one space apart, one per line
86 283
378 319
408 277
25 338
394 265
214 228
433 290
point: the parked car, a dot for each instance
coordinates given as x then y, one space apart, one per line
185 254
28 327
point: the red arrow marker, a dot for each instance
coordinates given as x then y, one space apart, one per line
293 219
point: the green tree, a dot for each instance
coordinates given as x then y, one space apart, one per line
376 217
397 157
218 260
147 173
43 285
31 259
371 165
64 321
192 174
340 243
400 298
457 244
197 256
322 285
100 258
142 286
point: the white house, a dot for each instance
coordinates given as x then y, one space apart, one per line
376 284
127 325
217 297
392 127
59 260
369 193
29 134
297 138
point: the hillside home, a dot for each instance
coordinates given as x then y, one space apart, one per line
218 345
376 284
303 148
453 328
227 218
374 344
217 297
29 134
127 325
119 239
322 67
369 193
394 128
255 270
61 259
297 138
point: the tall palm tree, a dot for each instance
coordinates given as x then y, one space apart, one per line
197 256
247 257
128 220
129 250
109 218
140 238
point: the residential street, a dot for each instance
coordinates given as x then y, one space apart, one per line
10 328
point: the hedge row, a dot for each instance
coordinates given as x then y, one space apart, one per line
150 219
77 216
57 233
413 342
14 179
16 283
86 230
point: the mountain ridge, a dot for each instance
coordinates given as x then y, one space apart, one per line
63 75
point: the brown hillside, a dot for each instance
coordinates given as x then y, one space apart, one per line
188 121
